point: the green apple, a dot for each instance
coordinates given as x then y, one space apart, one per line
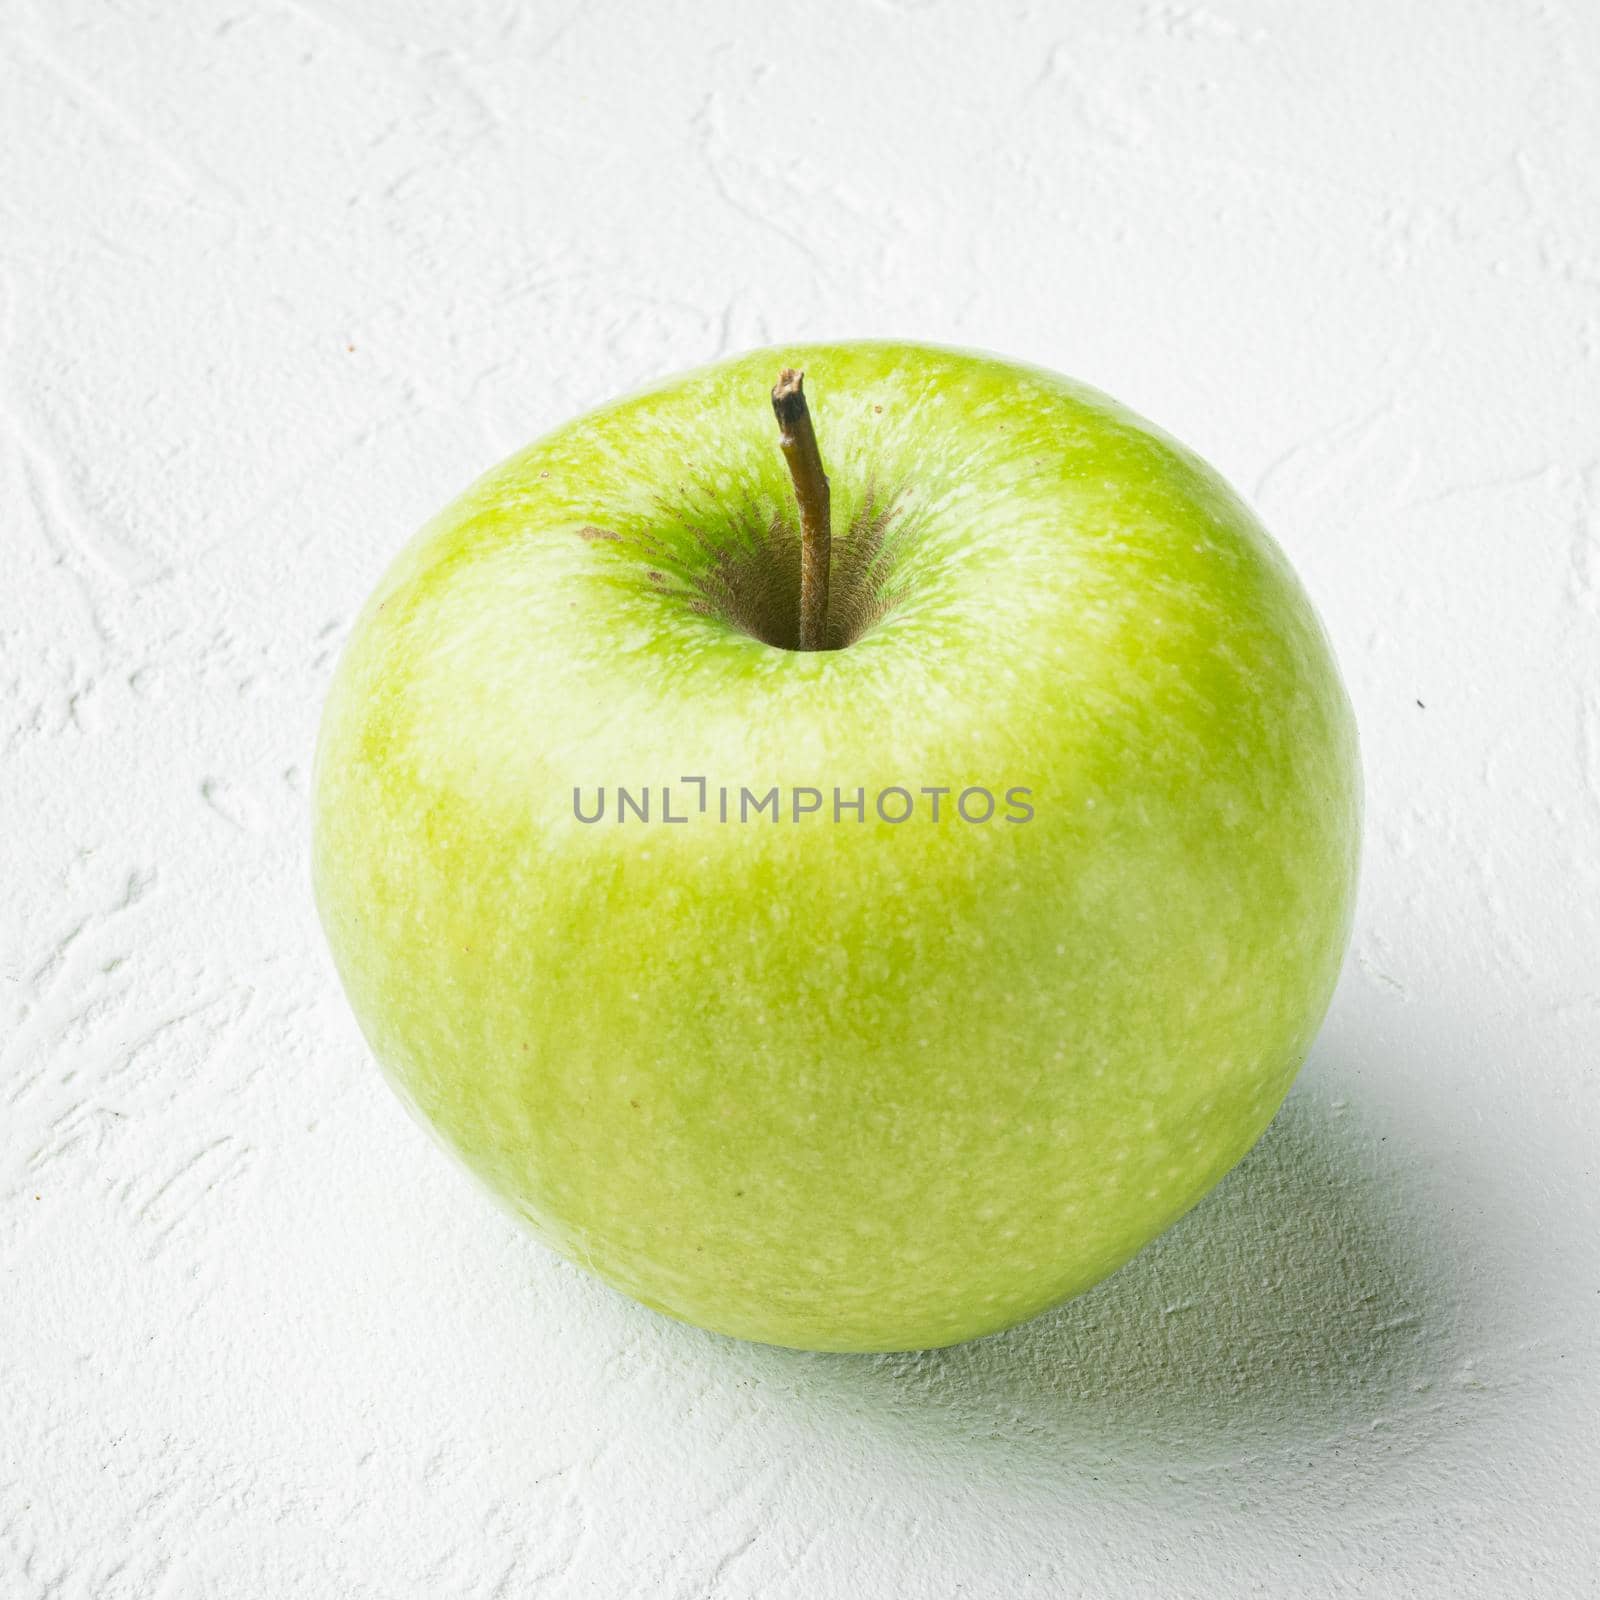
814 1074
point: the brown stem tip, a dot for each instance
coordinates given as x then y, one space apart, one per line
798 440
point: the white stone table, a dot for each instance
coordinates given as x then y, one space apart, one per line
277 278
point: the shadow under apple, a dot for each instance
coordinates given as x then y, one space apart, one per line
1295 1304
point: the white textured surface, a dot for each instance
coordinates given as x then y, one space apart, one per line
278 279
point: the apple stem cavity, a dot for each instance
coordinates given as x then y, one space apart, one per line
798 440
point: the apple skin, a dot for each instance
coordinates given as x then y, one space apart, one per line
844 1085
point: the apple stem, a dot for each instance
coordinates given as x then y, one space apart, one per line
798 440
